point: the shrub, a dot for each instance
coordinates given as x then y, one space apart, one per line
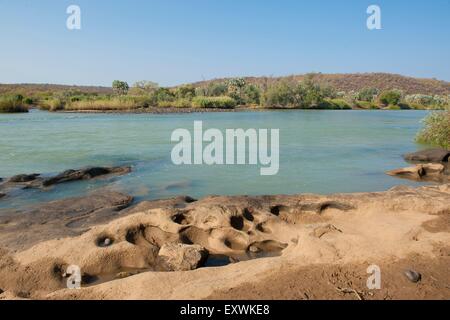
28 101
185 92
214 102
164 94
215 89
280 95
391 97
252 94
12 104
437 129
368 94
427 101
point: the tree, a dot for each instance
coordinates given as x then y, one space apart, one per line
120 87
144 87
235 89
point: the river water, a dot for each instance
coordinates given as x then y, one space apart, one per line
320 152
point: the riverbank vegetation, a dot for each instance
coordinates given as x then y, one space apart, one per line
306 92
437 130
9 104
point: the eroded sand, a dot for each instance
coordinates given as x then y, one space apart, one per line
324 243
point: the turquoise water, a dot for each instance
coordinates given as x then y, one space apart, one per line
320 152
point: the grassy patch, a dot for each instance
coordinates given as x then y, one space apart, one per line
214 102
12 104
437 130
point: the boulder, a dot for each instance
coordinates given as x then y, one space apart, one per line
430 155
430 171
181 257
84 174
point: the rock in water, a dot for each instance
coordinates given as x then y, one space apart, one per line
430 171
430 155
20 178
84 174
413 276
181 257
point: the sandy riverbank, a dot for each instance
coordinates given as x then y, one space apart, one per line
319 248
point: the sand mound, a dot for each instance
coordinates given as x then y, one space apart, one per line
121 259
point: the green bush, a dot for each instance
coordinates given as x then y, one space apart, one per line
391 97
437 129
214 102
368 94
216 89
280 95
12 104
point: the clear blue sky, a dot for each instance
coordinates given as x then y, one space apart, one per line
178 41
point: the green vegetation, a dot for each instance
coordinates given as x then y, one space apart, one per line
390 98
437 129
214 102
120 87
12 104
312 91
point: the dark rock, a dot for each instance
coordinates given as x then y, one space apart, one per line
413 276
21 178
84 174
430 155
2 195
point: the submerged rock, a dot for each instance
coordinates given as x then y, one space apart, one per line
430 155
21 178
85 174
36 181
181 257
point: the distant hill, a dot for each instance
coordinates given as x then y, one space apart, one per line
27 89
341 82
358 81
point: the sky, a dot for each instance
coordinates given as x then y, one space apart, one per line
179 41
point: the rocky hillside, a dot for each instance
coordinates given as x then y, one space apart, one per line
358 81
29 89
341 82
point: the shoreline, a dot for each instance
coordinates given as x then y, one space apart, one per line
330 239
213 110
